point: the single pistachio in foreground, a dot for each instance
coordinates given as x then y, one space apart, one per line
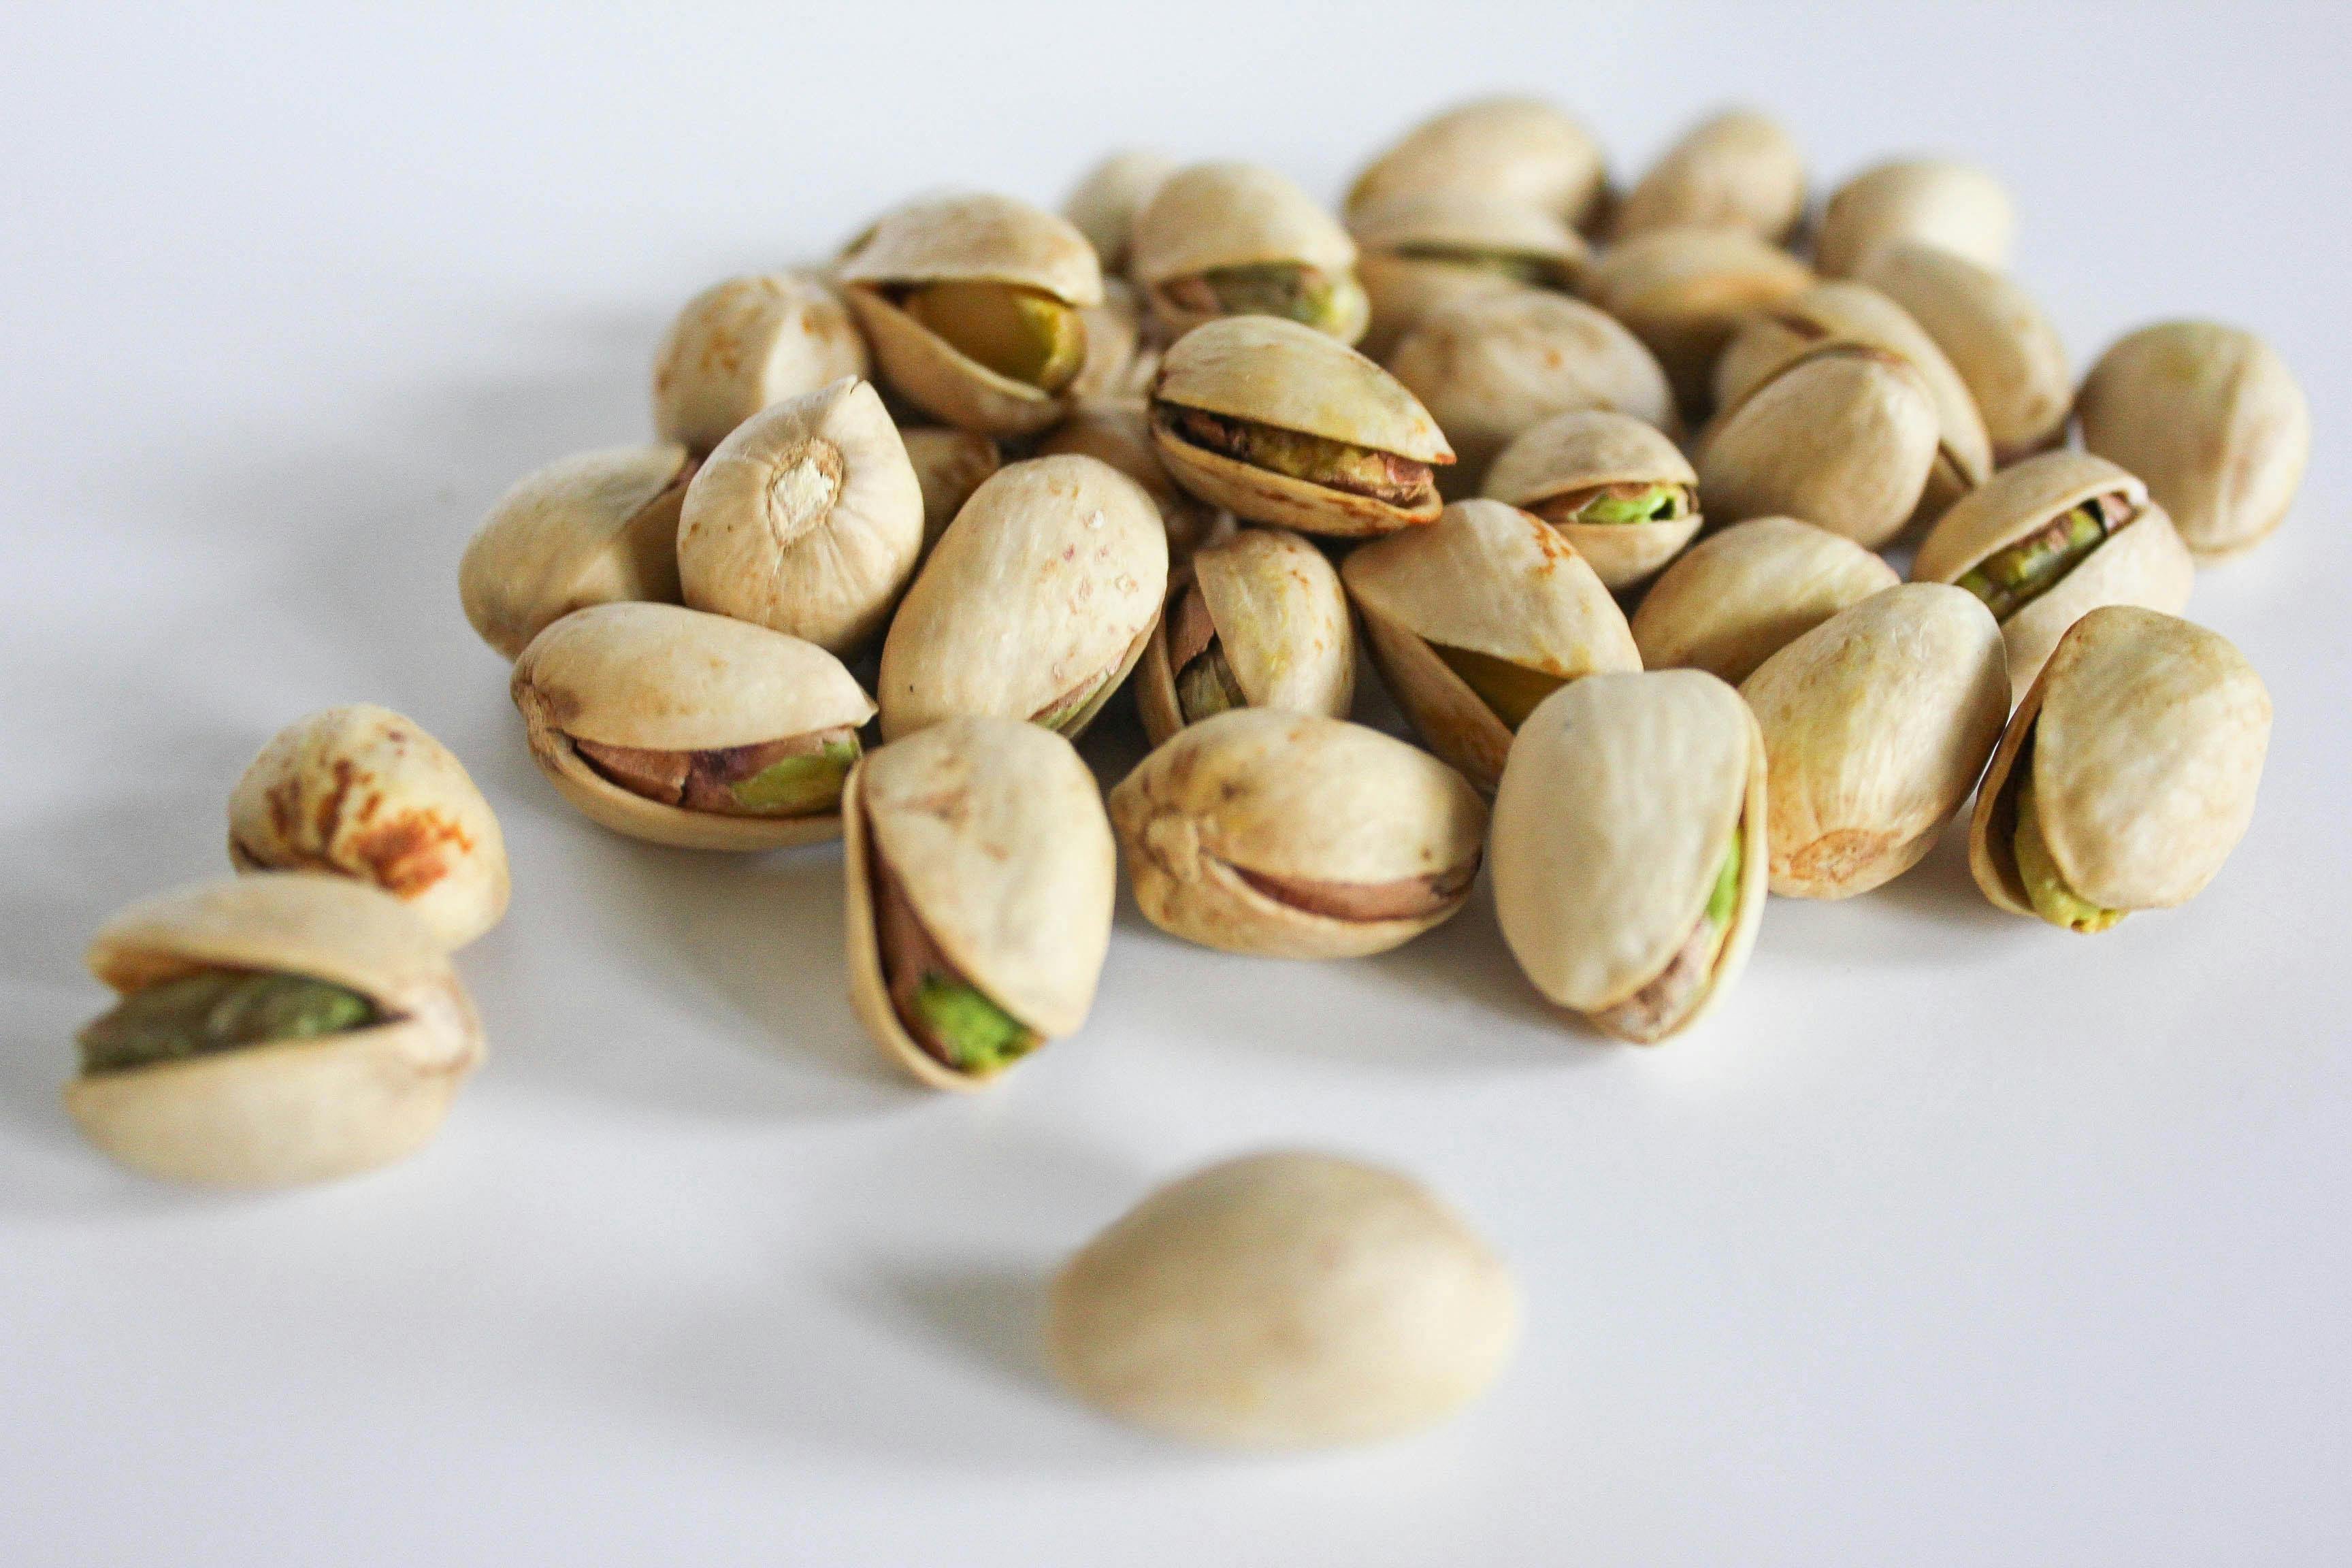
1616 488
743 345
1954 207
1737 169
1737 597
1518 151
1843 436
1259 620
1232 239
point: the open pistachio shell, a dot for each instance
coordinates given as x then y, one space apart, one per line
1737 169
1843 436
1295 836
1519 150
1877 723
992 832
1282 1300
1108 197
363 791
297 1110
1683 291
1956 207
1421 250
2003 346
2213 419
1737 597
948 465
1279 619
1212 217
661 678
1035 602
594 528
1119 433
741 346
2143 739
2140 560
1623 800
1574 455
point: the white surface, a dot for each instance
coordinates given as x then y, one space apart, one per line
1953 1240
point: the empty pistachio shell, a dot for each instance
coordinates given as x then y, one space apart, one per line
2049 538
1877 723
1739 596
1616 488
1109 196
1231 239
689 729
1286 426
2127 774
1420 251
2213 419
948 465
1683 291
1630 857
981 880
1736 169
2004 348
1119 433
362 792
1295 836
1953 206
1842 436
1035 602
808 520
1519 150
594 528
276 1028
1259 621
741 346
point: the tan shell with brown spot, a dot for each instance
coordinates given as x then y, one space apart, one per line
1738 169
1282 620
1233 214
1737 597
1954 207
2004 348
1588 449
1683 293
1405 281
745 343
1519 150
1843 436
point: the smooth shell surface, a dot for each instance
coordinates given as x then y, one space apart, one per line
1843 437
594 528
742 344
1738 169
1282 621
1233 214
1415 250
1587 449
1683 291
1108 197
1520 150
1119 433
948 465
1953 206
1739 596
2004 348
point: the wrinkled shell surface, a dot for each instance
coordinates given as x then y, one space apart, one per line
741 346
1282 619
1683 291
2004 348
1953 206
594 528
1587 449
1108 197
1736 169
1739 596
1519 150
1843 437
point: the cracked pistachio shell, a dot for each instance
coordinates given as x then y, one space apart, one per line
1582 451
1047 580
594 528
1119 433
964 238
741 346
1117 365
362 792
1404 282
2144 736
1621 794
1282 620
808 520
1282 1300
2213 419
1235 214
1877 723
1954 207
273 1114
664 678
948 465
1518 150
1108 197
1739 596
1843 436
1736 169
2004 347
1320 806
2143 563
995 831
1683 293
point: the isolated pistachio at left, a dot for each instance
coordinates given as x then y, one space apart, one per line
594 528
742 344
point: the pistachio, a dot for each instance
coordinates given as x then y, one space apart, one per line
1736 169
1520 152
1258 620
741 346
1683 291
1842 436
1953 206
1107 198
2004 348
1616 488
1739 596
948 465
1420 251
1119 433
1231 239
1118 366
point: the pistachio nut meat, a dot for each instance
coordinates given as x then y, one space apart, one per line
1283 425
1737 597
745 343
689 729
1843 436
980 879
1108 197
1629 846
1521 151
2049 538
1616 488
1736 169
598 527
1875 724
948 464
1234 240
1257 620
1034 603
974 308
1683 291
2127 774
1295 835
363 791
2210 417
2004 347
1952 205
1285 1299
1120 433
1421 250
285 1027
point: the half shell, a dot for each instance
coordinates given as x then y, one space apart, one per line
741 346
1739 596
1590 450
1280 618
595 529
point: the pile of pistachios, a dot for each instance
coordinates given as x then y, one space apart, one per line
1617 489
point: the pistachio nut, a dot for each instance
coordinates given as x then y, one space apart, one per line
2049 538
271 1029
1954 207
1119 433
1117 365
948 465
1258 620
689 728
741 346
2213 419
1282 1300
1616 488
594 528
1737 169
972 307
1035 602
1283 425
1877 723
1737 597
1108 197
1232 239
1683 291
1421 250
981 880
1842 436
2127 774
1630 859
363 791
1295 835
1521 152
2004 348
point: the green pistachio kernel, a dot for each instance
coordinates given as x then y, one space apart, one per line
1284 289
977 1036
1531 267
1628 503
798 786
1511 690
2045 885
1725 897
218 1010
1206 687
1020 334
1076 707
2010 579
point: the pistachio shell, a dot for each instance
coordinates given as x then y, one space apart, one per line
1737 169
741 346
1108 197
1877 723
1519 150
948 465
594 528
1739 596
1116 365
1407 272
1683 291
1953 206
1233 214
366 792
1843 437
298 1111
1119 433
2004 348
1282 622
1582 451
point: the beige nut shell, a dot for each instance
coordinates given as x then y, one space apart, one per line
742 344
593 529
1119 433
1954 207
1520 150
1683 291
948 465
1233 214
1402 288
1998 340
1108 197
1282 620
1843 437
1583 450
1737 597
1736 169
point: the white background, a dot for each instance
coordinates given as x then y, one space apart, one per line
1953 1240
